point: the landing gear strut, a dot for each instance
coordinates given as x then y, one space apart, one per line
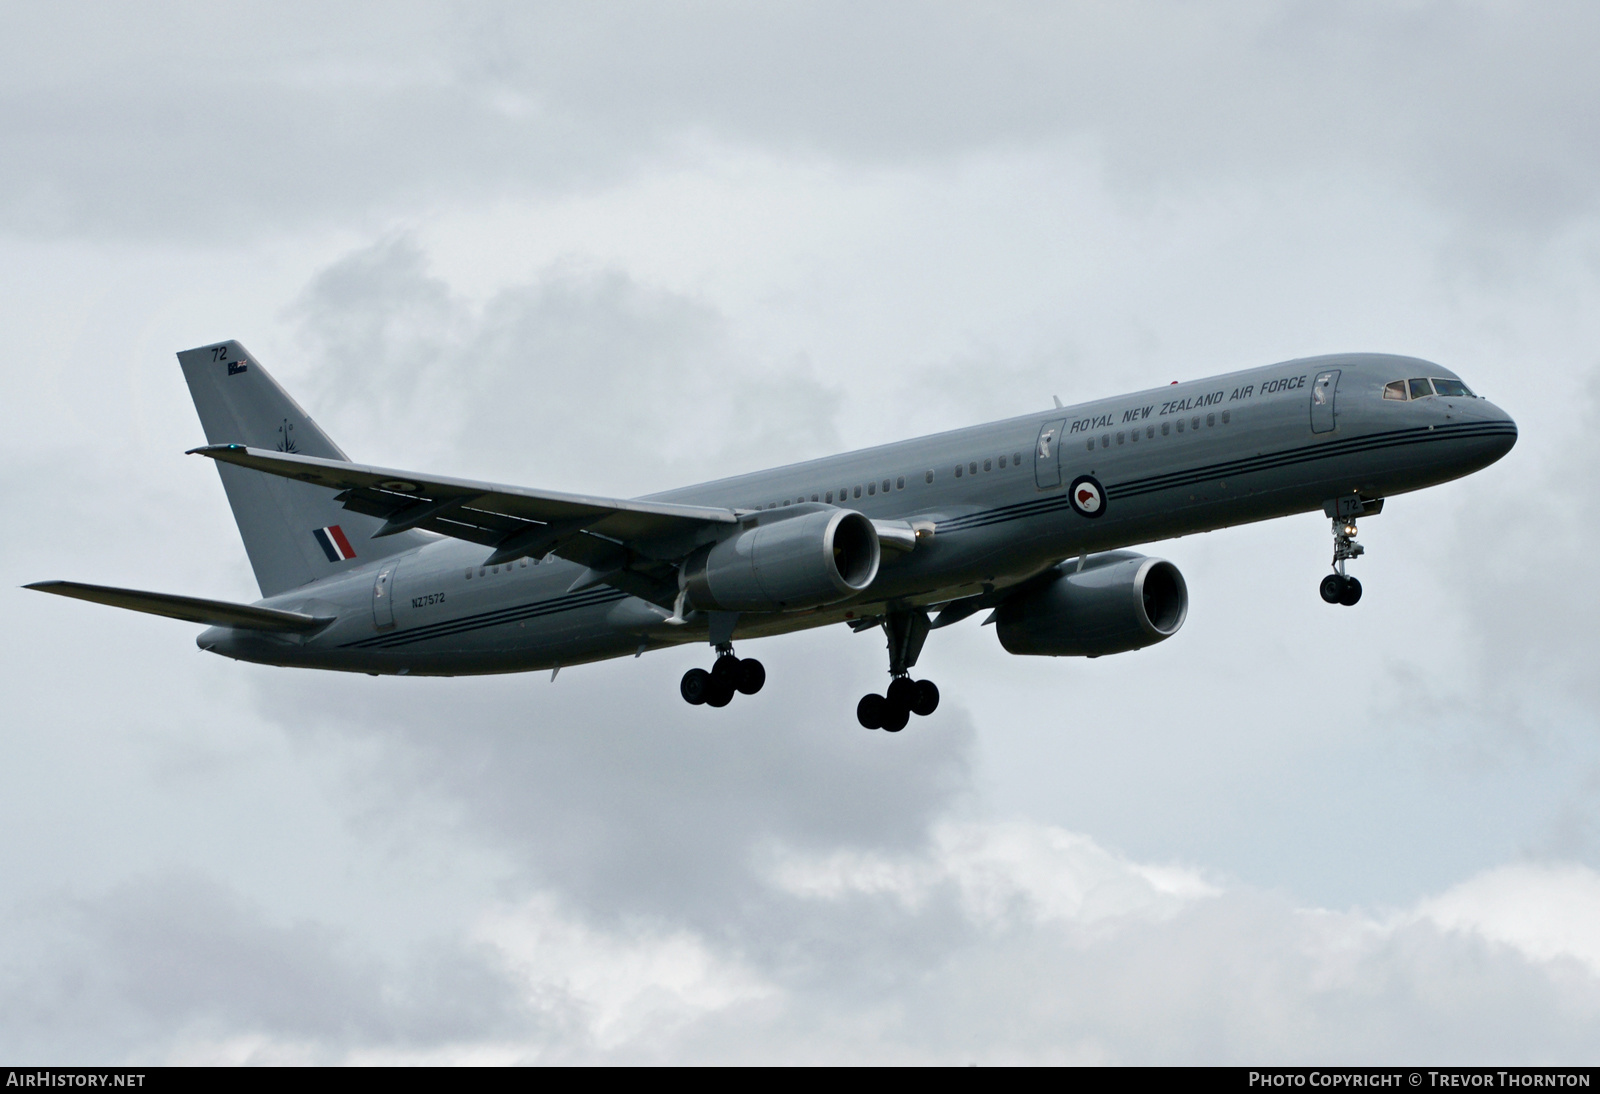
728 675
1339 587
907 630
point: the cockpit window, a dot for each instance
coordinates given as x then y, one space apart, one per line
1451 387
1420 389
1395 390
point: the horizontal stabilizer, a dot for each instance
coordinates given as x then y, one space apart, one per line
216 613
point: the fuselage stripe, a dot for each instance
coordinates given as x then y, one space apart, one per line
1265 462
494 618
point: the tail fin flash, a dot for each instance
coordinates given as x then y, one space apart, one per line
292 531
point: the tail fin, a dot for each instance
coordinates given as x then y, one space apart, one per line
293 532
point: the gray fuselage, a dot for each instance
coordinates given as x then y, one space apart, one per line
1190 457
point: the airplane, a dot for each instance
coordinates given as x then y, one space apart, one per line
383 571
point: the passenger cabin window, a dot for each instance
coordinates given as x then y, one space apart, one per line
1395 390
885 486
1211 420
1002 463
988 465
1090 444
829 497
1180 426
1451 387
930 476
1016 458
1227 416
1105 440
900 483
1420 389
958 470
857 492
872 488
973 467
1166 428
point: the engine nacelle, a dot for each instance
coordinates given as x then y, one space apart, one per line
791 563
1119 601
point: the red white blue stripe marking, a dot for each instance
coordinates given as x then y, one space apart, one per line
334 545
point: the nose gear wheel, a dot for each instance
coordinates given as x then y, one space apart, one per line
1340 587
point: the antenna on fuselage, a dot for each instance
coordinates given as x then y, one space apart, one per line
1057 398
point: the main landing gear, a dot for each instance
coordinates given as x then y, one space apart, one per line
728 675
1339 587
907 630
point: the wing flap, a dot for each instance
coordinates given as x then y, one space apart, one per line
192 609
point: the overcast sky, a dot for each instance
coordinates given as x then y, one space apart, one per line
618 248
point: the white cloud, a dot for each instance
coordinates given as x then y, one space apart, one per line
999 942
1546 911
1002 872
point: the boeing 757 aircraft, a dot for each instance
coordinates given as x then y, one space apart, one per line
370 569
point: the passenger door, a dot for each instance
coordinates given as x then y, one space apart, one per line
383 597
1046 455
1323 390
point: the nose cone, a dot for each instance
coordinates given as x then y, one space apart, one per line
1500 431
1480 435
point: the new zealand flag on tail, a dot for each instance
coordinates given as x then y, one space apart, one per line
333 543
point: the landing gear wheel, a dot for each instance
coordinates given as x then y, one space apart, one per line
719 693
726 670
1351 592
926 699
695 686
1332 588
752 674
901 692
895 716
870 711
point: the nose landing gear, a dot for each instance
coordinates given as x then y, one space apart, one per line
1339 587
728 675
907 630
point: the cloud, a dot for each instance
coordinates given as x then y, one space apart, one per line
584 377
161 961
993 942
254 118
1545 911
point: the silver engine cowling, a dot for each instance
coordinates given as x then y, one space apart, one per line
1119 601
785 564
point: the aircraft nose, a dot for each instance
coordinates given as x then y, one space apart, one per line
1497 430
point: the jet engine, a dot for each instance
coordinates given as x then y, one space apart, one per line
785 564
1119 601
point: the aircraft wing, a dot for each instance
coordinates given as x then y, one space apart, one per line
611 536
217 613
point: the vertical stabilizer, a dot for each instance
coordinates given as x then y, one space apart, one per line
292 531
